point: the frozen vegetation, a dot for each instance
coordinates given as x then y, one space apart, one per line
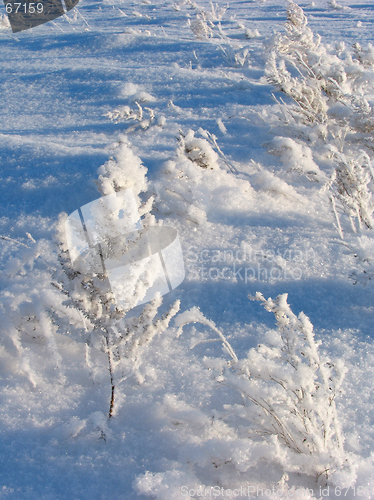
248 128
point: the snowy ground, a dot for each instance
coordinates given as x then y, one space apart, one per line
59 81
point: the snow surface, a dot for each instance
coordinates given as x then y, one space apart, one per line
71 89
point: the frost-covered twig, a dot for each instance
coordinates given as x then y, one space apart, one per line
338 225
213 141
6 238
194 315
125 113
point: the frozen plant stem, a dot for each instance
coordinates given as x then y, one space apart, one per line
111 372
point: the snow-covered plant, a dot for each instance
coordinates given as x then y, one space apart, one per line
298 50
29 304
216 12
207 25
138 332
195 177
297 157
177 191
123 171
47 294
238 57
328 87
125 113
331 91
249 33
106 325
352 188
200 27
335 5
197 150
362 250
365 55
206 20
288 390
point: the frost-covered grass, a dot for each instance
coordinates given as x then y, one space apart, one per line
269 184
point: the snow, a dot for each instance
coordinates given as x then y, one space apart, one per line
171 100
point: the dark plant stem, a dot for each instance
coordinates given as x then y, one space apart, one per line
111 407
111 373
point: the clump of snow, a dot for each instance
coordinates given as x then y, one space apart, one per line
252 33
195 183
4 21
267 181
124 171
296 157
198 151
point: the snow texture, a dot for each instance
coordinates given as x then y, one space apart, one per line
248 128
